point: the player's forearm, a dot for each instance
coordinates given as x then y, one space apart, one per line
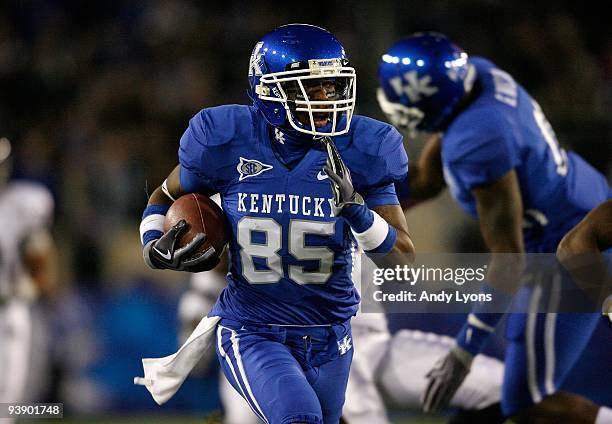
169 190
158 197
424 183
394 216
504 273
151 226
500 215
504 239
418 187
501 229
403 244
426 178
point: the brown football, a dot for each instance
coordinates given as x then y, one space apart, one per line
203 215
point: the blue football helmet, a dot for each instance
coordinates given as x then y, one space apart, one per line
422 80
290 60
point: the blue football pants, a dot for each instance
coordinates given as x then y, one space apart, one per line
287 374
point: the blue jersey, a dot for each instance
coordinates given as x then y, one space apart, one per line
504 129
291 257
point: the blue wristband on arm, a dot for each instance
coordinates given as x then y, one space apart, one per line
475 332
359 217
152 224
373 234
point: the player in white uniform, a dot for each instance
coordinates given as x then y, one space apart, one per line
28 270
389 370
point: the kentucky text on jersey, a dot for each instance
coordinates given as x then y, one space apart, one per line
293 204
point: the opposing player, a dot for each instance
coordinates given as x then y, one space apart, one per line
296 214
501 160
28 271
389 370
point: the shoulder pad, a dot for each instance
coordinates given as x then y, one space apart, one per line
367 136
220 124
374 153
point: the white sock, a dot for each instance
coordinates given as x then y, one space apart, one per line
604 416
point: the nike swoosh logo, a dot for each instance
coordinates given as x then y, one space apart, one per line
167 256
321 176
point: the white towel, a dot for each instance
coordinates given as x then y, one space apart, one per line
164 376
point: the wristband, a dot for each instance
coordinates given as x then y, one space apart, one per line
152 224
476 331
359 217
479 325
373 233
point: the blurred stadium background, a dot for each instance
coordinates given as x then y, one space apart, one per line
95 95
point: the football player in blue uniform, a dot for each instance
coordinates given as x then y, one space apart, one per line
296 215
498 154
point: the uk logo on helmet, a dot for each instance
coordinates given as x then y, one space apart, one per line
416 87
255 64
251 168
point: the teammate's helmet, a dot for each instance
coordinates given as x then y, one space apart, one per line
422 79
288 61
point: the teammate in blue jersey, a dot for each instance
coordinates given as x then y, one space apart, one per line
296 215
499 156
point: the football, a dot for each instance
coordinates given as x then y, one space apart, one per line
203 215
